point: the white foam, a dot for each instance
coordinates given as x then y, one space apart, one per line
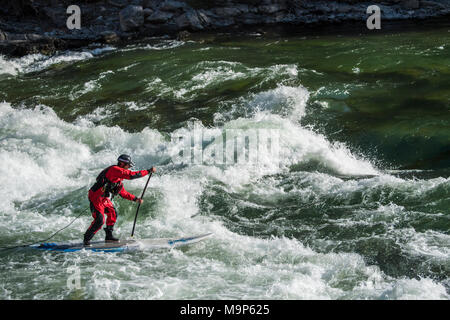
413 289
283 100
432 244
44 156
18 65
89 86
39 62
161 45
131 105
36 152
128 67
97 115
210 74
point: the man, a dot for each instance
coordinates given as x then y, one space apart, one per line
108 185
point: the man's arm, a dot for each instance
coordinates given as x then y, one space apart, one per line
126 195
120 173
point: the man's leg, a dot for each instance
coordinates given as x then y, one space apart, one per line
111 218
95 225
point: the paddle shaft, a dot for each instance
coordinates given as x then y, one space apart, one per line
139 204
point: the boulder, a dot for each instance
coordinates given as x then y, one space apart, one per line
110 37
242 7
431 4
411 4
250 18
183 35
117 3
148 12
57 15
132 17
16 36
204 17
34 37
159 17
189 20
227 11
271 8
152 4
171 5
222 22
344 8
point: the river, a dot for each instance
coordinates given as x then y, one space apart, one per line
351 201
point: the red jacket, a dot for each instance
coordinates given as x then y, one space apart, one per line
109 183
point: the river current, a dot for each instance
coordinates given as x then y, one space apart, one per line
348 198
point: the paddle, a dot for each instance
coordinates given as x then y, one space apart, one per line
139 205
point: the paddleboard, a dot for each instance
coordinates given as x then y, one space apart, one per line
123 245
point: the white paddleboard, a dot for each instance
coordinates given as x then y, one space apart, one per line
124 245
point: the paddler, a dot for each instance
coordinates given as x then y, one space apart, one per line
108 185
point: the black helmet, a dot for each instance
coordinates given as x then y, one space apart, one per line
125 159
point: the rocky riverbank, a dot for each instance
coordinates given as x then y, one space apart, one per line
32 26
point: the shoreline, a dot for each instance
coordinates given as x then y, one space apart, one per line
44 30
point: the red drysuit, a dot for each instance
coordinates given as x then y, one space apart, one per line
108 185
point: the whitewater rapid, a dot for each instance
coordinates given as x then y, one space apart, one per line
48 165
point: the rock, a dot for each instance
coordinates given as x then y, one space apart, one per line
189 20
208 13
250 18
56 15
110 37
171 5
204 17
19 8
148 12
227 12
324 8
271 8
34 37
411 4
159 17
15 36
344 8
435 4
2 36
242 7
183 35
152 4
19 48
167 29
253 9
132 17
222 22
117 3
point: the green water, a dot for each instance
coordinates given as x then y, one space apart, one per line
356 208
387 93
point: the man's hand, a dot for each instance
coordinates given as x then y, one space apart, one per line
152 169
139 200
